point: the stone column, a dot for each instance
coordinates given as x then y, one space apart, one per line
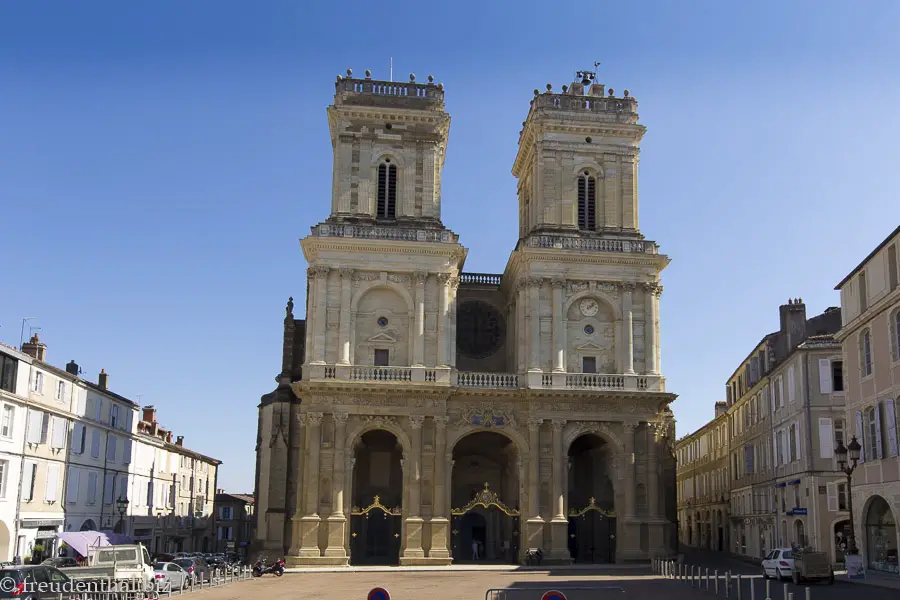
413 553
321 315
627 292
653 478
521 325
559 327
650 329
534 318
344 327
443 321
309 523
559 526
628 470
534 526
656 294
337 521
440 522
419 327
299 499
451 316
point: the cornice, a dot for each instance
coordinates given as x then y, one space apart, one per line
313 245
886 303
634 259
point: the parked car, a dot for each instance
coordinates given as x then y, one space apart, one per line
196 567
778 564
170 576
127 562
16 581
810 565
62 561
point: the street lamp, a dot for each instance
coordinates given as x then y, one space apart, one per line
122 505
848 459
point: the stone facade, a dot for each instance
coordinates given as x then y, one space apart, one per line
784 415
424 415
870 340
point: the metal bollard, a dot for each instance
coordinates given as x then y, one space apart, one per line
791 596
739 586
752 588
768 589
707 579
728 584
717 581
693 576
808 593
786 592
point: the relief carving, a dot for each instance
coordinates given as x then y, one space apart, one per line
486 415
362 276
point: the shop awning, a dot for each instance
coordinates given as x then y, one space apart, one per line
81 541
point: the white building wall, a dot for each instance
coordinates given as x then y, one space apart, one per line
12 440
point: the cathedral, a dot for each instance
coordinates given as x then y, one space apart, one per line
425 415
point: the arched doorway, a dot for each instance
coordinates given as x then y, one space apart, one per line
881 536
88 525
842 534
484 495
592 517
377 499
799 534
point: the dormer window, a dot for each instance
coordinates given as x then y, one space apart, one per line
387 190
587 201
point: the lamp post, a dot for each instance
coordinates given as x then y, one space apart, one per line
122 505
848 459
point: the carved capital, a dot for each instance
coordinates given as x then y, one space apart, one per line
453 283
534 424
314 419
535 282
420 276
558 283
521 284
649 287
630 426
441 421
340 418
416 421
346 273
627 286
321 271
443 278
658 291
558 424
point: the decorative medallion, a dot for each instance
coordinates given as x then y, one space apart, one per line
480 329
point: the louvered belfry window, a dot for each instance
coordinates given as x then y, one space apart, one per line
387 191
587 201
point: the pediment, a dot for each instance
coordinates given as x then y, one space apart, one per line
381 336
589 346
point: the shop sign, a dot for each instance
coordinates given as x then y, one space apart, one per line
45 535
35 523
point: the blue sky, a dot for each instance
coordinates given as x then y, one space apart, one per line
159 161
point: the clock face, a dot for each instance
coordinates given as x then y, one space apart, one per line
589 307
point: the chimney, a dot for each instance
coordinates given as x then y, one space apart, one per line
72 368
169 437
220 491
793 323
179 441
35 348
721 407
103 380
149 414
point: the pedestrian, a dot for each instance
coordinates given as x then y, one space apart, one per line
474 549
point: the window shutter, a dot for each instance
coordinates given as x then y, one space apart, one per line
108 484
111 442
832 496
129 419
126 452
29 475
99 406
123 487
772 395
780 391
825 376
92 488
72 486
879 447
78 438
859 436
790 384
774 449
95 443
891 419
45 427
114 415
826 438
52 482
800 439
80 402
150 493
60 429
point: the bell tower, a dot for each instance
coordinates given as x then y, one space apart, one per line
577 162
389 140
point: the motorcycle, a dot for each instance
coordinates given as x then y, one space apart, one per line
260 568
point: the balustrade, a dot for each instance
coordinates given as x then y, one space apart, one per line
592 244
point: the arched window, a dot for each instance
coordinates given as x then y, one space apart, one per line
587 201
387 190
865 353
799 534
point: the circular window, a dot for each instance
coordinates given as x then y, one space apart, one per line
589 329
588 139
382 321
388 126
480 329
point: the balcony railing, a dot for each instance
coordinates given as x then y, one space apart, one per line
377 232
445 376
480 278
563 242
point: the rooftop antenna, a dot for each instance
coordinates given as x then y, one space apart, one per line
32 329
22 333
392 70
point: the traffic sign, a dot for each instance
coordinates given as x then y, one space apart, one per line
553 595
379 593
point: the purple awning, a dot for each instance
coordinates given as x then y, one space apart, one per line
81 541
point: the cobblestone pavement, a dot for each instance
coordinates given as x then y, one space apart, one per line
459 585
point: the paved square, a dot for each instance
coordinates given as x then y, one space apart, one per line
449 585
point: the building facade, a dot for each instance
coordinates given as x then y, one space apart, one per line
784 414
703 484
14 376
425 415
870 342
235 516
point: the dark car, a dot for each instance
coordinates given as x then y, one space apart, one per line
33 582
197 567
60 562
